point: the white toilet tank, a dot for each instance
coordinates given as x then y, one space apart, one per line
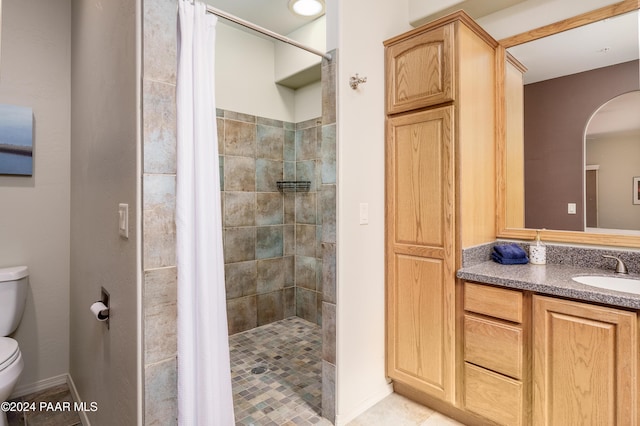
13 295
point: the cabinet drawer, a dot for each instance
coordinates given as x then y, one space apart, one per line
496 302
493 396
493 345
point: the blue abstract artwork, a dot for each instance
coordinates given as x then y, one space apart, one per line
16 140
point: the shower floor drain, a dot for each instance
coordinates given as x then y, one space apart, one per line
259 369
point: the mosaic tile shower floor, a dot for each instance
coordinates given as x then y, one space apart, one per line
289 391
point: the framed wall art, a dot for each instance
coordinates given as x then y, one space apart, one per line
16 140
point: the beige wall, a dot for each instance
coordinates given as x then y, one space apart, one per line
34 212
617 156
360 317
290 60
308 102
104 173
245 75
247 67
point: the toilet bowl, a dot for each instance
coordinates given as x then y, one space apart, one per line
11 366
13 294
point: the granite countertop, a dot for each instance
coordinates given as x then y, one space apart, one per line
551 279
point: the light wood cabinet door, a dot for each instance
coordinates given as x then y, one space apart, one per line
420 70
420 259
585 364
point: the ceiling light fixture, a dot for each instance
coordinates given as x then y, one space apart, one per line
307 7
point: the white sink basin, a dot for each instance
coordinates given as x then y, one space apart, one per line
628 285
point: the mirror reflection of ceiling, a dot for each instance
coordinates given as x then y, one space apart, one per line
589 47
618 115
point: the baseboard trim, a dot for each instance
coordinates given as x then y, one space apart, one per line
76 397
38 386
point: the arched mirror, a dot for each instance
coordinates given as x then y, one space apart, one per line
612 166
566 71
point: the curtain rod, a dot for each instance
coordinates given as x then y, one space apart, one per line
265 31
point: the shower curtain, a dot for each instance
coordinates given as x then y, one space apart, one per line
204 373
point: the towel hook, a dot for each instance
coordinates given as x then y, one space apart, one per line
356 80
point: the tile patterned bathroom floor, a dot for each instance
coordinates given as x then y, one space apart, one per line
53 417
289 391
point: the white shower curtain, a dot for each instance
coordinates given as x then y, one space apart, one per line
204 376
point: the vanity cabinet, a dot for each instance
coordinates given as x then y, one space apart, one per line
533 359
421 268
440 192
585 362
496 368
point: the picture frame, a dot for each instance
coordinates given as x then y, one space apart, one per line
0 32
16 140
636 190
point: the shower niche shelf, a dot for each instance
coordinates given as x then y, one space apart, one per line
294 185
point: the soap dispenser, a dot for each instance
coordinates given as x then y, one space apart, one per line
538 251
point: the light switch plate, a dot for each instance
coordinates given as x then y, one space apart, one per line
123 220
571 208
364 213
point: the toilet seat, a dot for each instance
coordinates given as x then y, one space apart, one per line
9 352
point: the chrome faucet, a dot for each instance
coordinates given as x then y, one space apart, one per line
621 268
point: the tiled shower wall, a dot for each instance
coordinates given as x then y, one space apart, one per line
159 293
158 218
328 201
271 239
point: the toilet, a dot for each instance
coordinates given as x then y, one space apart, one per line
13 295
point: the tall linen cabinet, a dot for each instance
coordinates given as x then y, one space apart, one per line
441 121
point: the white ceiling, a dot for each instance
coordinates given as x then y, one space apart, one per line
273 15
475 8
